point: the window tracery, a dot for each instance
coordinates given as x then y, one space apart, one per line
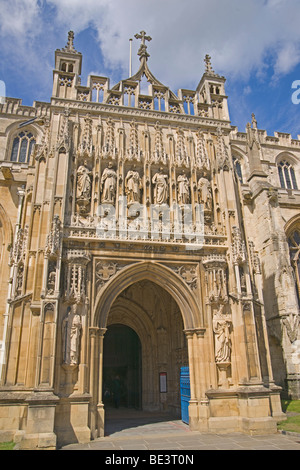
22 147
287 175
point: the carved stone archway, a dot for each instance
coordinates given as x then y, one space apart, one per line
157 273
176 287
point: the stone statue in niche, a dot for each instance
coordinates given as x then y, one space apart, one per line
205 193
133 186
160 181
51 282
221 328
183 189
71 336
83 183
108 185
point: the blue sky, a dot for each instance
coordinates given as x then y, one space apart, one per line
255 44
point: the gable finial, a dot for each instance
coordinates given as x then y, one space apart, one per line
143 48
208 67
70 44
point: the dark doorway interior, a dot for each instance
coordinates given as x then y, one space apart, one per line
122 359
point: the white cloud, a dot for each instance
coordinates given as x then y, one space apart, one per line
19 18
237 34
240 36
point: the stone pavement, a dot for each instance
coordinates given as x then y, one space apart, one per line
128 430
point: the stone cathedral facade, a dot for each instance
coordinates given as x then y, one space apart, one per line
142 232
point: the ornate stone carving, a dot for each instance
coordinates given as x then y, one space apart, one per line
104 271
238 246
64 137
75 276
133 186
221 151
71 331
108 185
159 155
51 277
19 279
84 186
205 193
221 326
133 152
18 249
53 240
183 189
254 258
181 155
44 147
202 160
160 182
109 148
86 145
189 275
215 278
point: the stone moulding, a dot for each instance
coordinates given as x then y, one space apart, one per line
138 112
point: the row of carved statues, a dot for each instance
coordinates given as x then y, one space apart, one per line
133 187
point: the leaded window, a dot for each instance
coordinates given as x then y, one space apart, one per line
22 147
287 176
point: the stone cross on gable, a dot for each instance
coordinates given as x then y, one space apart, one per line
143 48
143 37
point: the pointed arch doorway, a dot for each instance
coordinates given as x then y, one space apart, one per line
145 346
160 308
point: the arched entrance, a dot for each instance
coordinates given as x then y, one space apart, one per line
145 346
161 309
121 367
